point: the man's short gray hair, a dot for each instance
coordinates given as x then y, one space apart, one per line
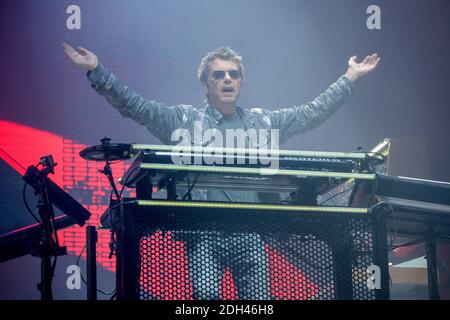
224 53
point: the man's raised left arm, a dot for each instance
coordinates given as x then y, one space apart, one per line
299 119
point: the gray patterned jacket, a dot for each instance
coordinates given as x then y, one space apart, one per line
162 120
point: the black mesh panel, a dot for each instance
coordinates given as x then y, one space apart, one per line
207 253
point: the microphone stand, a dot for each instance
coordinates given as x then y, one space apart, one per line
107 171
47 246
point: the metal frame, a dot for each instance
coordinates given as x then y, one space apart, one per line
128 247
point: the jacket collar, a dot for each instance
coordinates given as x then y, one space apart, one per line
212 112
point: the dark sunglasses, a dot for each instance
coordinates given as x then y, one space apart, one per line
220 74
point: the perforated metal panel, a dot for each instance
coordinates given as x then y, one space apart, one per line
241 253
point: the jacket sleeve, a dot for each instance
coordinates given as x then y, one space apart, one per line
299 119
159 119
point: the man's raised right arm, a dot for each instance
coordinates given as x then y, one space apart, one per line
158 118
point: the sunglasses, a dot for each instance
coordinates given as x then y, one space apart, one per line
220 74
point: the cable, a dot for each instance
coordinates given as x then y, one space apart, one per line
112 223
56 240
48 229
111 220
197 175
114 292
189 187
394 239
85 282
434 272
332 198
126 181
114 295
188 194
370 165
27 206
378 154
411 243
336 194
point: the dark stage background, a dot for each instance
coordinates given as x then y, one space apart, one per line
292 50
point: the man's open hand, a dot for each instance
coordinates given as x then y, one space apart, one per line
84 58
356 70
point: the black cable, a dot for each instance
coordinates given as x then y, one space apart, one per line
112 223
336 194
116 161
394 239
121 204
332 198
126 181
434 271
370 165
27 206
79 256
411 243
189 187
114 295
197 175
111 220
53 267
55 240
111 195
112 240
84 281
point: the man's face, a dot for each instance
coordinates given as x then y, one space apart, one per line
223 85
